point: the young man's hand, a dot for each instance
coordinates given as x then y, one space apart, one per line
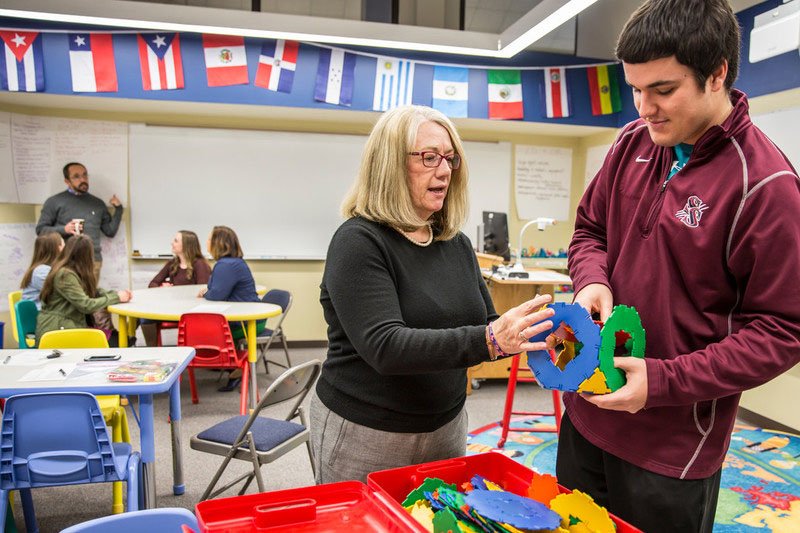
632 396
596 298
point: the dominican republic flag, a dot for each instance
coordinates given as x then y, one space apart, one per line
277 65
91 61
556 96
160 57
226 62
335 76
604 89
21 65
451 90
394 83
505 94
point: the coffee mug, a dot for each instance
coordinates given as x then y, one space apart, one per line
78 223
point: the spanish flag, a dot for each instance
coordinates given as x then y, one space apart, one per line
604 89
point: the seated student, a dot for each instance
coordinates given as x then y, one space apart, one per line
187 267
46 248
70 292
231 281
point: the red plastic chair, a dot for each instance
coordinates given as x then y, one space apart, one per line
210 336
508 410
163 325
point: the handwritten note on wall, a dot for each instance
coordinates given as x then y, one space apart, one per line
8 189
542 177
16 250
115 273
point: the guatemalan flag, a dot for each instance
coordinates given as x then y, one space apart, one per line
277 65
451 90
21 65
335 75
91 61
160 58
226 62
394 83
556 96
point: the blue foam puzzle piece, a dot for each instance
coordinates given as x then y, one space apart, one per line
509 508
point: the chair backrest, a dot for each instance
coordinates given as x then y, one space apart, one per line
74 338
294 383
54 439
166 520
210 336
279 297
13 298
26 312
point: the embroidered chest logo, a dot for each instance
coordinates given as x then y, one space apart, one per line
692 212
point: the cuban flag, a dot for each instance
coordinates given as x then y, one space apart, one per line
277 64
226 62
160 59
335 76
21 65
451 90
91 61
394 83
556 97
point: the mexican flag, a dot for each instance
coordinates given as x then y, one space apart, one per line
505 94
604 89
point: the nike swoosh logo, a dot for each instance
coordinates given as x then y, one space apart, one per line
640 159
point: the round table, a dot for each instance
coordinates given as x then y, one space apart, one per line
169 303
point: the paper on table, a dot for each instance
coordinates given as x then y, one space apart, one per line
209 308
51 372
25 358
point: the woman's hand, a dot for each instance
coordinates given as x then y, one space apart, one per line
202 292
513 329
166 284
124 296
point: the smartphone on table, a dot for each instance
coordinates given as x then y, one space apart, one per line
109 357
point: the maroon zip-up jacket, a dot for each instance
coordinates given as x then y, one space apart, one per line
711 262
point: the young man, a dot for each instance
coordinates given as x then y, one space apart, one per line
693 221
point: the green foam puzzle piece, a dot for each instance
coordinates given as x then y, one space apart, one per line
623 318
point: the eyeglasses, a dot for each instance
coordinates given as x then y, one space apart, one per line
434 159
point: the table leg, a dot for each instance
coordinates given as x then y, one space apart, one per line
178 487
123 331
252 357
148 445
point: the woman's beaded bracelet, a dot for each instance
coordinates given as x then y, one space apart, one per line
494 349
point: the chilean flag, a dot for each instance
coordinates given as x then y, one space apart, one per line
160 57
226 62
555 93
276 65
91 61
21 64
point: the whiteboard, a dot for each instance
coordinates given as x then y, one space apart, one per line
781 127
280 191
8 189
16 250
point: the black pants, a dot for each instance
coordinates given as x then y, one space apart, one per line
649 501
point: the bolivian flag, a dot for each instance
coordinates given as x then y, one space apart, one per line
604 89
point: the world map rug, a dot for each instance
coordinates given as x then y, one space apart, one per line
760 487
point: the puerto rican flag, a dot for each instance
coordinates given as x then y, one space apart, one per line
21 65
556 97
335 77
91 61
160 58
276 65
226 62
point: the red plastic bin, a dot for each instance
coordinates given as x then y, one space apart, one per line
396 483
346 506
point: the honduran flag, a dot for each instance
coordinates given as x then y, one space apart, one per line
505 94
21 65
277 65
335 77
394 83
604 89
91 61
451 90
160 58
556 96
226 62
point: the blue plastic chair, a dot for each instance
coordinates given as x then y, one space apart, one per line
53 439
27 313
168 520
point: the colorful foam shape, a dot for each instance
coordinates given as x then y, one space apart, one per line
595 384
581 506
622 318
509 508
583 365
544 488
429 485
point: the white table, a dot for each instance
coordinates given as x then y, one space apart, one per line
21 362
169 303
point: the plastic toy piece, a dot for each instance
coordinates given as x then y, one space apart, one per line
421 512
583 365
596 383
429 485
544 488
622 318
509 508
591 516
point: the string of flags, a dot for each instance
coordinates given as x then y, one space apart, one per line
93 69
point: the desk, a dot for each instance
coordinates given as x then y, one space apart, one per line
97 383
508 293
169 303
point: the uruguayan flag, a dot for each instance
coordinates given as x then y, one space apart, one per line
451 90
335 75
394 82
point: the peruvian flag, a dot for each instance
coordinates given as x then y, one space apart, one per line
556 97
226 62
160 58
91 62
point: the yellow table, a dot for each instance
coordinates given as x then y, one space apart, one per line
169 303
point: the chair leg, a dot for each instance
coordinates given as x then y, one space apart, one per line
117 506
193 386
6 517
247 482
557 410
256 464
509 405
27 510
286 349
244 387
217 475
133 483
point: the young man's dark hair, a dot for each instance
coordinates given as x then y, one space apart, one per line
65 170
699 33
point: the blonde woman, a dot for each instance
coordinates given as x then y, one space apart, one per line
406 306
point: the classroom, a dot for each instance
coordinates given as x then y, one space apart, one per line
262 148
